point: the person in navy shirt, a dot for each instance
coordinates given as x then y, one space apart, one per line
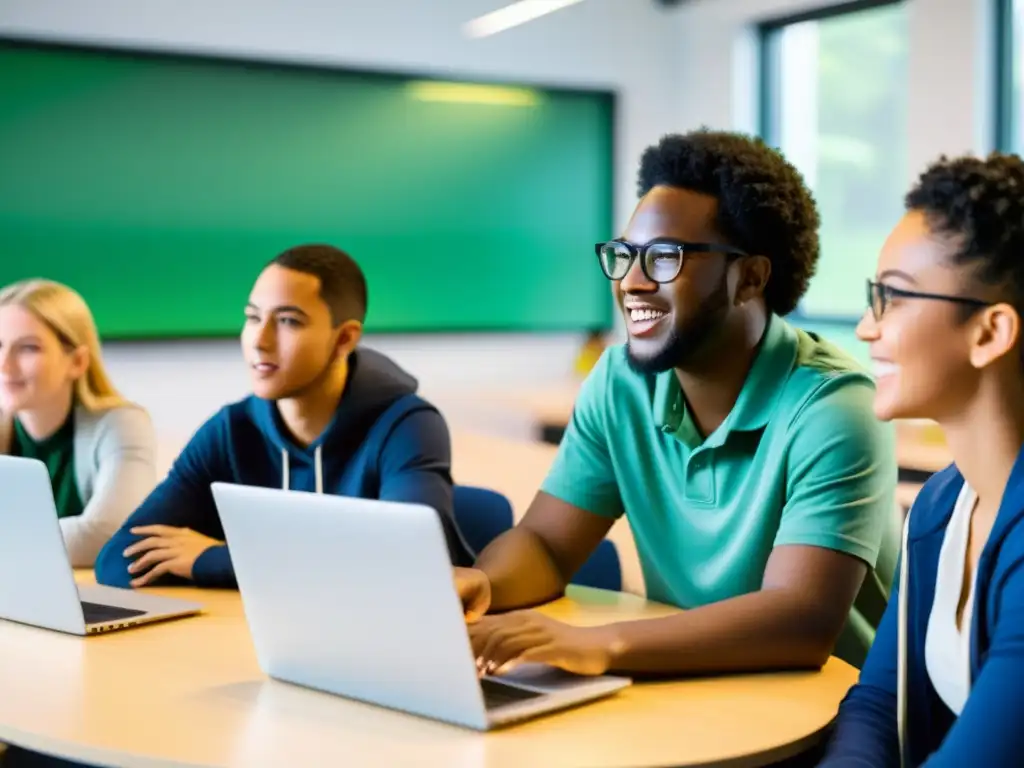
943 684
324 417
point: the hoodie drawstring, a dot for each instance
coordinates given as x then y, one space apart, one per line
318 469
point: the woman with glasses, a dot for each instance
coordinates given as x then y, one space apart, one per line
943 684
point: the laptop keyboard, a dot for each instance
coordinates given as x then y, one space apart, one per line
97 614
497 693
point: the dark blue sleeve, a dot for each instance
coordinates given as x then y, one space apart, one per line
416 467
865 734
182 500
988 730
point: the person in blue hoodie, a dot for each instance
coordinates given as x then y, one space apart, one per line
324 416
943 684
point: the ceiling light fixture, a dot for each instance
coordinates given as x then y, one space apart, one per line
512 15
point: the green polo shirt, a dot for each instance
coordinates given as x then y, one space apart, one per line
800 459
57 452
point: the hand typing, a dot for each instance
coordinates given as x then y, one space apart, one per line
501 642
474 591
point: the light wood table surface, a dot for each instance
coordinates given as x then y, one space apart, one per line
189 693
921 450
921 445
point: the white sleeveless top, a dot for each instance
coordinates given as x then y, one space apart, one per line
947 648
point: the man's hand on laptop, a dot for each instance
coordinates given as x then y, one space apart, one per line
474 590
165 549
501 642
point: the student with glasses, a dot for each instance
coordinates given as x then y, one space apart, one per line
943 684
743 452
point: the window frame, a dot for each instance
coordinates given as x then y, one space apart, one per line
1004 103
769 102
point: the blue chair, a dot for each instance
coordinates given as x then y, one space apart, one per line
602 569
482 515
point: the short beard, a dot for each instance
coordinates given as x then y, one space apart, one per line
684 345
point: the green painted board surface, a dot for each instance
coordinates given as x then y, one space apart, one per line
158 186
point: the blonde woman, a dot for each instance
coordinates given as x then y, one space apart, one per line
57 405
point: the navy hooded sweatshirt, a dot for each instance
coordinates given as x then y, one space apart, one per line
384 442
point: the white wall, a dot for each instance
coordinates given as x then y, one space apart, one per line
673 70
624 45
949 93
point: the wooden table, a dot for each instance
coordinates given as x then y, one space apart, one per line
921 451
189 693
921 446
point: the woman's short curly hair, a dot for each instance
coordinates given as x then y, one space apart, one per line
978 204
764 206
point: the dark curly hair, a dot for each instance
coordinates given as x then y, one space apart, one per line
764 206
342 283
978 205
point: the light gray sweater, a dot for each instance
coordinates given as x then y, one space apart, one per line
115 469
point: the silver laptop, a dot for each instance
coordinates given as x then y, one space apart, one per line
355 597
38 582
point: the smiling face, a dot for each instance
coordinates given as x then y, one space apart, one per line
37 370
289 339
929 354
671 323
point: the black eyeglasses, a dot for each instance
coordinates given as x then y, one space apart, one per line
880 294
661 260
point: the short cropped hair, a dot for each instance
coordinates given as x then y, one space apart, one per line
342 283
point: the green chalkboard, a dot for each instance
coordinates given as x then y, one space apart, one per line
158 186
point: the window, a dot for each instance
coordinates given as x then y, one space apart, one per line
834 101
1010 75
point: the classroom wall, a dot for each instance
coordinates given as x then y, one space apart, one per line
950 91
627 46
950 88
673 70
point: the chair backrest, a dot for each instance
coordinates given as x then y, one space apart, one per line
482 515
602 569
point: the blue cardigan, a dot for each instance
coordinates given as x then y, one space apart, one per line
989 731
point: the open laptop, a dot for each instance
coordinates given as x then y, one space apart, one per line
355 597
38 582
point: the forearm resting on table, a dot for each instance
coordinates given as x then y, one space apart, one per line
769 629
521 569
